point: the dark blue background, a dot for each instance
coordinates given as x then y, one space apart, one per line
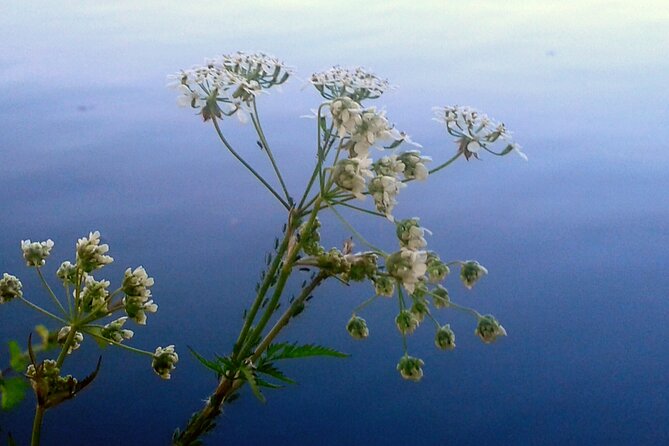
575 239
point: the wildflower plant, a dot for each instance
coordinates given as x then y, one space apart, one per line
362 164
86 309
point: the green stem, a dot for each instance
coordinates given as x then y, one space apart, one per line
471 311
42 310
367 211
438 168
66 346
269 277
364 304
49 290
288 314
353 230
117 344
256 123
37 425
247 165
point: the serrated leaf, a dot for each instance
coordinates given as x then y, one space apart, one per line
253 383
215 366
293 351
17 360
13 391
270 370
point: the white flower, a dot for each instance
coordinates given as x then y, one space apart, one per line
411 234
373 128
115 331
164 361
35 253
136 308
91 254
351 174
384 189
475 131
355 83
10 288
415 165
76 341
408 267
67 273
388 165
137 282
94 295
346 115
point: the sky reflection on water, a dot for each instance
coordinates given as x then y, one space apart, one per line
575 239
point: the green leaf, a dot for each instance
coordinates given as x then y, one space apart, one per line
215 366
96 334
13 391
253 383
262 383
270 370
291 351
17 359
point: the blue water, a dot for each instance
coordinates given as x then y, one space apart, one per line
576 240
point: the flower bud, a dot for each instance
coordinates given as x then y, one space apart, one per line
406 322
440 297
334 262
384 286
76 342
137 282
445 338
489 329
471 272
420 309
35 253
410 368
311 241
10 288
91 254
408 266
67 273
414 165
436 269
115 331
388 166
410 234
350 174
164 360
363 266
357 327
94 295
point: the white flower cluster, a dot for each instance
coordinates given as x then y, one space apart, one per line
475 131
164 361
91 254
10 288
355 83
76 342
137 301
115 331
228 84
94 295
35 253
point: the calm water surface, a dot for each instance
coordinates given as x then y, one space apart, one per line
576 240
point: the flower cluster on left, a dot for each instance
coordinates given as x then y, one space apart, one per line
88 308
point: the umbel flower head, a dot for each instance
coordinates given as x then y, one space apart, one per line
414 165
35 253
410 234
384 191
91 254
355 83
10 288
346 115
115 331
164 361
410 368
350 175
94 295
137 282
357 328
475 131
489 329
406 322
67 273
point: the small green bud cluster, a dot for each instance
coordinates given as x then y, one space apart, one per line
436 269
489 329
410 368
50 388
470 273
414 165
445 338
362 266
164 361
10 288
357 328
311 241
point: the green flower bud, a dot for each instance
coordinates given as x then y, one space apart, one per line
406 322
489 329
410 234
10 288
420 309
334 262
357 328
164 360
410 368
384 286
436 269
363 266
471 272
311 240
420 290
440 297
445 338
67 273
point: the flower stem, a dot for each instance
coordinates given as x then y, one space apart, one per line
49 290
247 165
256 123
37 425
353 230
42 310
